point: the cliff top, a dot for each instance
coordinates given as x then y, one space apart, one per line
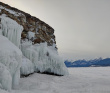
26 14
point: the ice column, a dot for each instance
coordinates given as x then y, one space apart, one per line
11 29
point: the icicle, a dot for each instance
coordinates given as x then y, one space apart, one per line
11 29
27 66
44 58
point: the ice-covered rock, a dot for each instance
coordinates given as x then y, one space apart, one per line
45 58
19 26
43 32
11 58
11 29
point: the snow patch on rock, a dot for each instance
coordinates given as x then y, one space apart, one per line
10 11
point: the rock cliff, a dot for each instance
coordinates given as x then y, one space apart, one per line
27 45
42 31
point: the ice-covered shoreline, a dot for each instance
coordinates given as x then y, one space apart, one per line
21 57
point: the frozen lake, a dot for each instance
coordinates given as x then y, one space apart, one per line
80 80
90 80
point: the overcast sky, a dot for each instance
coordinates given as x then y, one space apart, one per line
82 27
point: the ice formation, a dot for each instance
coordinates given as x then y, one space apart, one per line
45 58
27 67
38 57
10 57
11 29
31 35
5 77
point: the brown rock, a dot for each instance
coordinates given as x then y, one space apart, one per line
43 32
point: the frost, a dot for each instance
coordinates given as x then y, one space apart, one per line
11 29
10 57
44 58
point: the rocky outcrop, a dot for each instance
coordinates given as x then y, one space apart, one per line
34 38
42 31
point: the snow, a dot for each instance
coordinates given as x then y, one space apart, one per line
80 80
45 58
11 29
10 11
10 57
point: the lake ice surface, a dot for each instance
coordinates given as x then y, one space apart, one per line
80 80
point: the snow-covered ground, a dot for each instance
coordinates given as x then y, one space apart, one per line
80 80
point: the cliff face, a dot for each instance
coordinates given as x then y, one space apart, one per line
42 32
35 49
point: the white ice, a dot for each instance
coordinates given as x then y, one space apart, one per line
80 80
11 58
11 29
45 58
5 78
31 35
27 67
40 57
3 91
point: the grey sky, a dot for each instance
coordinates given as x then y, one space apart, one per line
82 27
